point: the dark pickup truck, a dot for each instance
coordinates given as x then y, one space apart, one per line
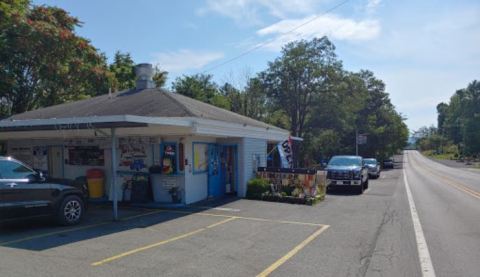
347 171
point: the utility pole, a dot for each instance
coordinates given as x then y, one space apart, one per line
356 142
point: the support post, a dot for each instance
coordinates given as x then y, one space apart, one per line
114 174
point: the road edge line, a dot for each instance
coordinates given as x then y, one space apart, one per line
426 264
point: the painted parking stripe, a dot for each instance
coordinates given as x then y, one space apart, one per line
150 246
292 252
248 218
75 229
426 264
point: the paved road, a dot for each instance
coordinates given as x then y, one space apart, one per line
448 204
368 235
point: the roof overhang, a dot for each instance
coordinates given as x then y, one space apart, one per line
197 126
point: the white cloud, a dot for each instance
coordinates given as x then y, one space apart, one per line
372 5
333 26
247 12
184 59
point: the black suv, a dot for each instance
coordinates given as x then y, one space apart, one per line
25 193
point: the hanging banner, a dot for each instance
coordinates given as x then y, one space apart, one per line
286 153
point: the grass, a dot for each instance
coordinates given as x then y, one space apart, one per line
444 156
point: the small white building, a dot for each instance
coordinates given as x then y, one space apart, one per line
203 150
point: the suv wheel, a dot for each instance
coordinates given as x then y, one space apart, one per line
71 210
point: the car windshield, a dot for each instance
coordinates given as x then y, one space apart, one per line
370 161
345 161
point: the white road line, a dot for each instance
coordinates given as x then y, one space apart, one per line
423 253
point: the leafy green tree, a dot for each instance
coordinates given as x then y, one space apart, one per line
201 87
123 68
44 62
295 79
234 96
255 100
160 77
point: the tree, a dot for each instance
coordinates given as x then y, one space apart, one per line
123 68
44 62
293 80
234 96
201 87
160 77
255 100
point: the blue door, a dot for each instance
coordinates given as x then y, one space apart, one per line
214 171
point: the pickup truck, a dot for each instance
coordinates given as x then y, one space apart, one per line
347 171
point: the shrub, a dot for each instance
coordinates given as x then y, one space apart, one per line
256 187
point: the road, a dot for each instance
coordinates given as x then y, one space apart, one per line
448 204
345 235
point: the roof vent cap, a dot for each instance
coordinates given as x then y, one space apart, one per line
144 72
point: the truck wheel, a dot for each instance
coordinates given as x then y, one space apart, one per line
70 211
360 189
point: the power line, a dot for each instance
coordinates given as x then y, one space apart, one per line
271 40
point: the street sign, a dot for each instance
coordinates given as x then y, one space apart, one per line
362 139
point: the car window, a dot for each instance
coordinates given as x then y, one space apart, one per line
14 170
370 161
345 161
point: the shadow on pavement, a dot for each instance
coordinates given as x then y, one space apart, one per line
42 233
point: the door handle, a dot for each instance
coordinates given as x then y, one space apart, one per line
11 185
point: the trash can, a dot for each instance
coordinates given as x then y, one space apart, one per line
95 182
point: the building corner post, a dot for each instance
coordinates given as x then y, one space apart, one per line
114 174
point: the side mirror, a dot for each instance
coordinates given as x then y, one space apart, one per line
36 177
41 177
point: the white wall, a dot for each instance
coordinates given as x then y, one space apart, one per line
248 150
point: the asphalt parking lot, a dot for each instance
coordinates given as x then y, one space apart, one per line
344 235
188 242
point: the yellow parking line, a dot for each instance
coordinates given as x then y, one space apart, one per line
74 229
221 222
248 218
140 249
292 252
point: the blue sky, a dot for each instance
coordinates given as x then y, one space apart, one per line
423 50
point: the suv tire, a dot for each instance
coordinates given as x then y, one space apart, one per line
71 210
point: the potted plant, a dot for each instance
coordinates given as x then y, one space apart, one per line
175 194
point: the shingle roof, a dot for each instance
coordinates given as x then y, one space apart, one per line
148 102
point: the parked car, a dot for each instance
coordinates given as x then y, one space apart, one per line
26 193
347 171
388 163
373 167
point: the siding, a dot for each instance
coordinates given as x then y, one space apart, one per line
250 149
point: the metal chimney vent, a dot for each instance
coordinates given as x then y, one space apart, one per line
144 72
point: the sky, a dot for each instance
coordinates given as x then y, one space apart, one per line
423 50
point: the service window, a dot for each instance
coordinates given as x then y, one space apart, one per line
85 155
